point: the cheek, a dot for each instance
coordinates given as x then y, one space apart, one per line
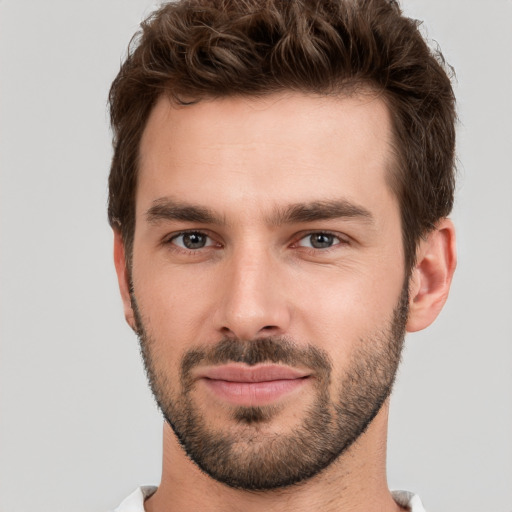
173 305
346 306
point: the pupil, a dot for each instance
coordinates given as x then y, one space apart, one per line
194 240
321 240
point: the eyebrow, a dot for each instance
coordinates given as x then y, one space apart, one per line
320 210
167 209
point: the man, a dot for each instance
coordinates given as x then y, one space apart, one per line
279 192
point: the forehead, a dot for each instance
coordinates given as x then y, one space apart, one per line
282 148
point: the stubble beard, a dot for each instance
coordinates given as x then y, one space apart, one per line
245 457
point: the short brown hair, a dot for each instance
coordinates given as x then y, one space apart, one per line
218 48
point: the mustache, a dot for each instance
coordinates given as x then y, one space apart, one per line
272 349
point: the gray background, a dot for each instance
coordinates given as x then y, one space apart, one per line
78 427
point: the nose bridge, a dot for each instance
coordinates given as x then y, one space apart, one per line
253 298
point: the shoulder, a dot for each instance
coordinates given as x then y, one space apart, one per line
409 500
135 501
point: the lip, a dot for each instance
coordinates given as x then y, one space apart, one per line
258 373
252 385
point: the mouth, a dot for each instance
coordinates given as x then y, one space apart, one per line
252 386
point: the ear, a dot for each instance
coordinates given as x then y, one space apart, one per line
432 276
123 278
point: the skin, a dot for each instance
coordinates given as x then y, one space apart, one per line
244 159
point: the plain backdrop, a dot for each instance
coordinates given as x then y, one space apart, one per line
78 427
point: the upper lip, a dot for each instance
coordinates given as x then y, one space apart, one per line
258 373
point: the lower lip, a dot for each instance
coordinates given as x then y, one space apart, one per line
253 393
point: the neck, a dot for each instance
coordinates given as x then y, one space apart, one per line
355 482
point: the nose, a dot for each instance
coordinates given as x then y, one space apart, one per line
253 297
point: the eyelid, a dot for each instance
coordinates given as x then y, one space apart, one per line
169 239
343 239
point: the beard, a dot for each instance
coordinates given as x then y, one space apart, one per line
249 458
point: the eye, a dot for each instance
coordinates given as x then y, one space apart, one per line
319 240
192 240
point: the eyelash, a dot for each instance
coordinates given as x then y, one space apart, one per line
342 240
188 252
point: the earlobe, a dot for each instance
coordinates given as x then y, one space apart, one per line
123 278
432 276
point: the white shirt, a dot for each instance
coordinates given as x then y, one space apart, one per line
135 502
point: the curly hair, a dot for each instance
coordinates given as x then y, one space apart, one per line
195 49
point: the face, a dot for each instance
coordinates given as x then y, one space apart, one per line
268 285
